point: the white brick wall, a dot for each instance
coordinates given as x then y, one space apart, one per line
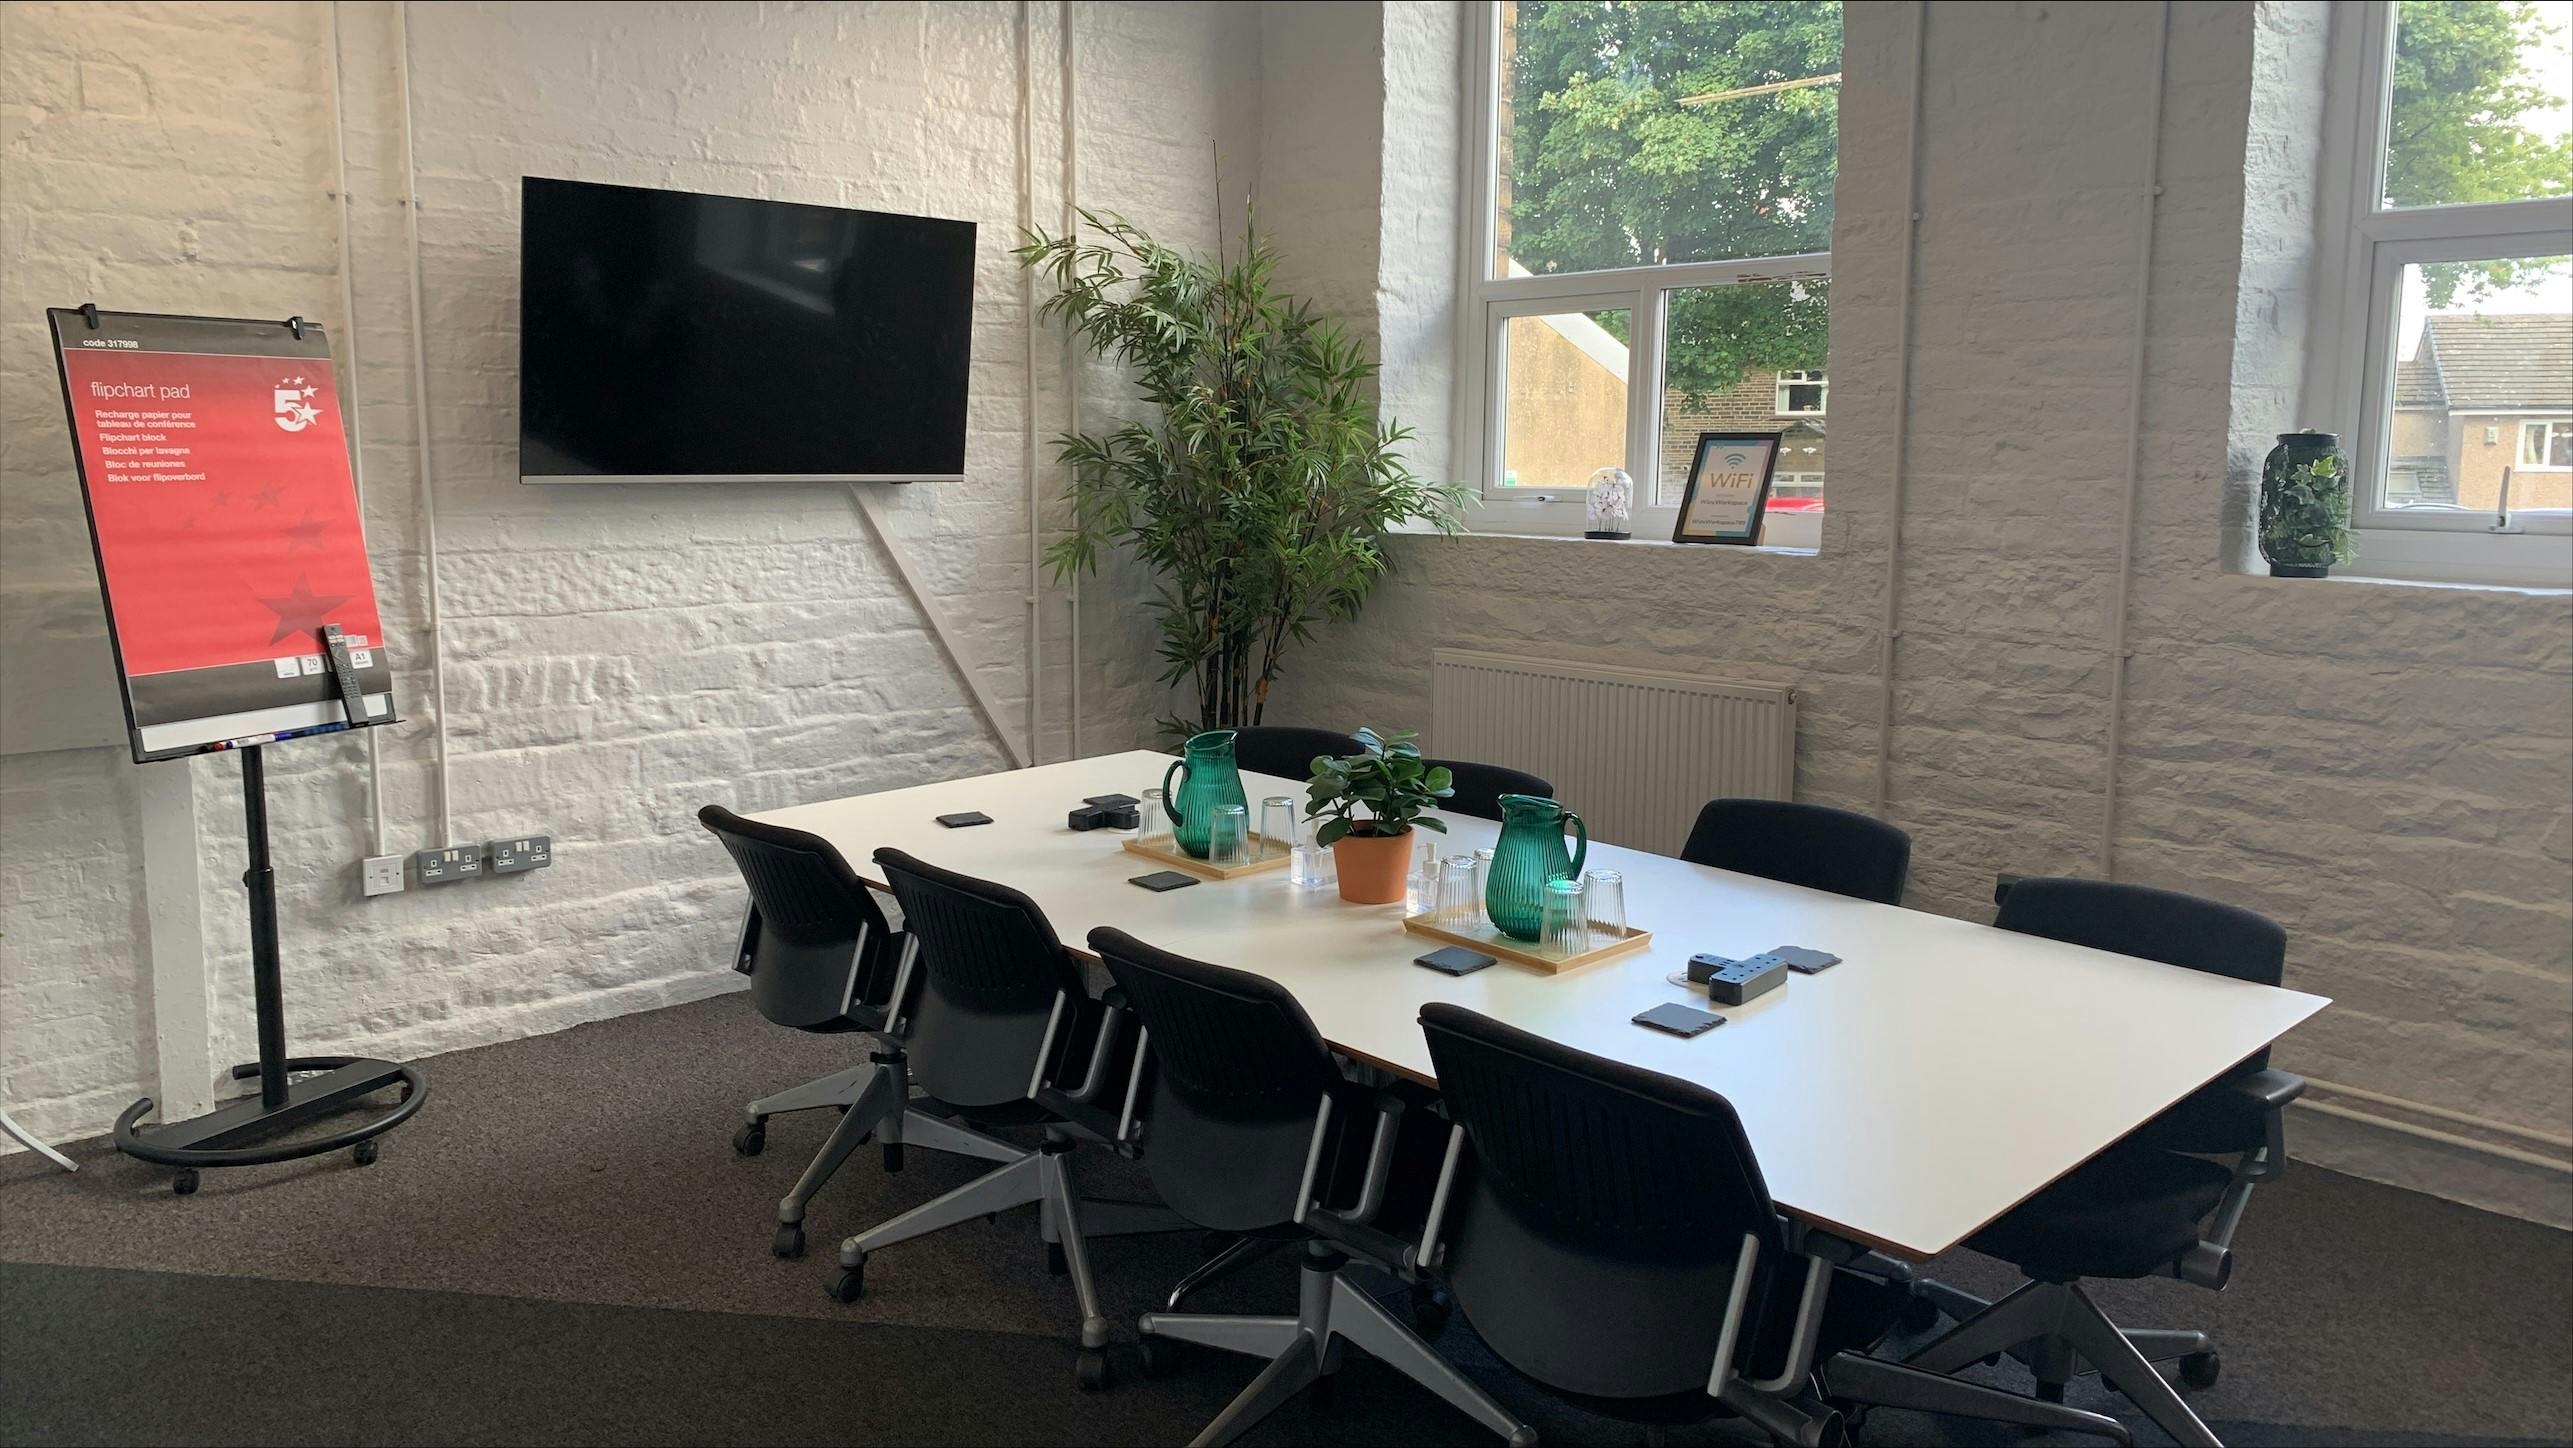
617 657
2386 770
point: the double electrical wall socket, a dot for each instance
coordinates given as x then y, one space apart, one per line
445 867
525 852
381 875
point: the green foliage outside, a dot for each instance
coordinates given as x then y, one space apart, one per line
1261 487
1605 168
1389 778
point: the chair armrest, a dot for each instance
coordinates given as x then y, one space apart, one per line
2273 1089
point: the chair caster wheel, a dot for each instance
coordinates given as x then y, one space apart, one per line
1322 1392
183 1182
2050 1392
1919 1314
364 1153
893 1156
751 1138
789 1241
1054 1259
1092 1369
2201 1369
1431 1308
847 1283
1159 1356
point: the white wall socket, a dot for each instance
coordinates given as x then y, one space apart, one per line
382 875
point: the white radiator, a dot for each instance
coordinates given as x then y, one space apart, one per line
1634 752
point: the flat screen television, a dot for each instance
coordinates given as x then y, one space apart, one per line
665 336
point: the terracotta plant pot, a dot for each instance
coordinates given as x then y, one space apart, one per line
1371 867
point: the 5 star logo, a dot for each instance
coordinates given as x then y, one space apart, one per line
295 410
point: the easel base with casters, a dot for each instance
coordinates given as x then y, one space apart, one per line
241 1134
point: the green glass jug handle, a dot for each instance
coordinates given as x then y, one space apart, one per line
1580 852
1170 796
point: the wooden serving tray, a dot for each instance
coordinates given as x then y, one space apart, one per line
1481 934
1169 853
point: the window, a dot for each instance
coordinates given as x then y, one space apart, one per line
2448 242
1800 393
1621 295
2547 444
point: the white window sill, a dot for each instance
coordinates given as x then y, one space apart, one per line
1778 550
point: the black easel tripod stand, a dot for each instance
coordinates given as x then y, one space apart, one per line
239 1134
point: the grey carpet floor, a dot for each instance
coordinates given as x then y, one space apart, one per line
562 1247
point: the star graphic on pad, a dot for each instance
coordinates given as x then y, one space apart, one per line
306 534
302 612
310 390
267 497
307 414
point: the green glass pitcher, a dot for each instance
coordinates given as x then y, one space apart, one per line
1529 853
1209 781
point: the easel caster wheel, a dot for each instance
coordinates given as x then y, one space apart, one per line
183 1182
1092 1370
1054 1259
751 1138
847 1283
789 1241
2201 1369
1159 1357
364 1153
1919 1314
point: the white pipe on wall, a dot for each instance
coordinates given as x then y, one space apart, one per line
2149 196
420 407
1027 303
375 833
1889 626
1071 352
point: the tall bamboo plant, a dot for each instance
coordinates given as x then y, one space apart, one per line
1261 487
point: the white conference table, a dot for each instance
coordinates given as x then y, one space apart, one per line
1941 1074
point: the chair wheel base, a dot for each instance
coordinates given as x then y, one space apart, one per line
2201 1369
1091 1371
751 1138
1158 1356
365 1152
789 1241
1055 1261
847 1284
893 1156
1919 1314
2049 1393
1431 1308
183 1182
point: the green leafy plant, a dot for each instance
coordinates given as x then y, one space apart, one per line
1388 778
1261 488
2305 513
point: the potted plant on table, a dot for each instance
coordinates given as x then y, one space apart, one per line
1395 786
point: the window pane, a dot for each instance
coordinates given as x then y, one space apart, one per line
1636 133
2480 103
2483 380
1563 397
1747 359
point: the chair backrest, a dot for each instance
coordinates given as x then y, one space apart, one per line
2151 924
1479 787
1238 1075
1594 1227
1287 750
821 954
990 971
1814 845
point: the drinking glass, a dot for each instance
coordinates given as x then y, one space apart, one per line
1607 907
1564 928
1152 820
1482 871
1420 887
1312 868
1228 835
1278 831
1459 902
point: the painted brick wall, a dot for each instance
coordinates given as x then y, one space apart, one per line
2387 770
617 656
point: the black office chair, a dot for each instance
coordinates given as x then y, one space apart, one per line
1838 850
2151 1205
1005 1032
821 957
1479 787
1248 1127
1287 750
1592 1216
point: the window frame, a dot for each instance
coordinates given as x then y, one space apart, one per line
2362 249
1814 377
2542 430
1486 302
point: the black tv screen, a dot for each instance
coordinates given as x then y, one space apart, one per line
666 337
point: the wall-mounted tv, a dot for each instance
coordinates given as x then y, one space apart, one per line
665 336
